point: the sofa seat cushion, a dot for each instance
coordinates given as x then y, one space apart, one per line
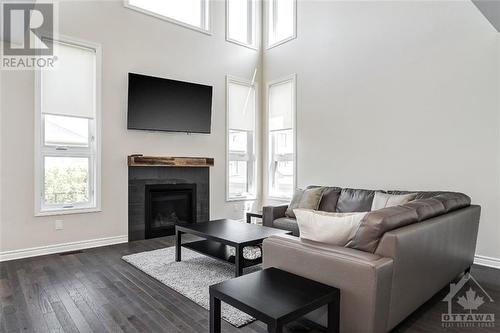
352 200
286 223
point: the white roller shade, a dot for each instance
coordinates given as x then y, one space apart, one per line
69 88
281 105
241 104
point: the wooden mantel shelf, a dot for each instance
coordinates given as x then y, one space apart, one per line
169 161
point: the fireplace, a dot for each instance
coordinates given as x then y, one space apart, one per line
166 205
160 193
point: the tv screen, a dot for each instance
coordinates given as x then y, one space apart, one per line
158 104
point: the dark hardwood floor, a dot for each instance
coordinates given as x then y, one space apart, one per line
95 291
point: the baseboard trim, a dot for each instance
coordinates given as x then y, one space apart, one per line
59 248
487 261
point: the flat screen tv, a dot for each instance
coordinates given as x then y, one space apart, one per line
158 104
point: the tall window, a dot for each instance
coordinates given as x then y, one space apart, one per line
241 160
67 144
240 27
281 21
281 137
193 14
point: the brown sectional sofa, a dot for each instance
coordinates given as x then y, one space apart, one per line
399 258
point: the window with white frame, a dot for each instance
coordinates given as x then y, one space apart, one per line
241 160
67 144
281 21
240 22
194 14
281 138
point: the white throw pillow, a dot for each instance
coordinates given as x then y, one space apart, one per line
383 200
329 228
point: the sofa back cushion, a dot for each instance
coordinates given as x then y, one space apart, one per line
453 201
376 223
427 208
383 200
329 200
352 200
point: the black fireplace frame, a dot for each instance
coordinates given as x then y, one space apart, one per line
149 188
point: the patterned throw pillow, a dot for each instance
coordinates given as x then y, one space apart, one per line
306 199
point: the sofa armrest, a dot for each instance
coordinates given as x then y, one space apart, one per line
271 213
364 279
427 256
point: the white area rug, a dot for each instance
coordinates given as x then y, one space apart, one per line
191 277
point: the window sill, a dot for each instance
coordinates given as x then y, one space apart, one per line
281 42
68 211
249 198
249 46
284 199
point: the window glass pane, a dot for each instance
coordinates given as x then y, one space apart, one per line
282 163
283 142
238 142
187 11
238 184
240 20
69 88
66 131
66 180
283 179
281 20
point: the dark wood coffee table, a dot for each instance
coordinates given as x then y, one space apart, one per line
219 235
275 297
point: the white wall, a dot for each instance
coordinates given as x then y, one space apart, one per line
131 42
397 95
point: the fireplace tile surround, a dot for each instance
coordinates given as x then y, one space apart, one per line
139 177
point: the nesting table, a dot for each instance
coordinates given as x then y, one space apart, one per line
275 297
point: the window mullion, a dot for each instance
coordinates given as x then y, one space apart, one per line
250 21
67 152
275 18
203 14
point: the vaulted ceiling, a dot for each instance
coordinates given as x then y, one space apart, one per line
491 10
